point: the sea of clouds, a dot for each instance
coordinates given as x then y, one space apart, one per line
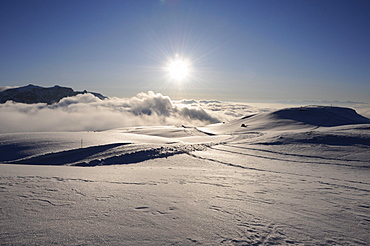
86 112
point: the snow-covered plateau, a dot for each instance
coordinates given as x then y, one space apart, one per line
296 176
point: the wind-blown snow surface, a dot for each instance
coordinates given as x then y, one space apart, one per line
297 176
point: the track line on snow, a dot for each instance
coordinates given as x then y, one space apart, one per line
287 160
244 167
288 173
350 181
293 155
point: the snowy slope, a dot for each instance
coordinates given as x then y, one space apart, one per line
289 119
119 146
297 176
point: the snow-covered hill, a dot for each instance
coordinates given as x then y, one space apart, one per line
290 119
296 176
37 94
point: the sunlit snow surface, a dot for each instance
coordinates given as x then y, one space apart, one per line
298 176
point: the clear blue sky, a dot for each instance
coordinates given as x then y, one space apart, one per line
250 50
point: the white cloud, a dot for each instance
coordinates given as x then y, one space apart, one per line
363 109
86 112
3 88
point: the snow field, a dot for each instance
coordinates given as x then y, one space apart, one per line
281 180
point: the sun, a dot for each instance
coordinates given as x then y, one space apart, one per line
178 69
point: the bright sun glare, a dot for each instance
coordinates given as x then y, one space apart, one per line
178 69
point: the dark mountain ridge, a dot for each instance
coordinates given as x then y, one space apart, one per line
36 94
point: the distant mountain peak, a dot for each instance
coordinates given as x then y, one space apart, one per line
36 94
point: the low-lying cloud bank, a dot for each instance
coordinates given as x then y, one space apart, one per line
3 88
86 112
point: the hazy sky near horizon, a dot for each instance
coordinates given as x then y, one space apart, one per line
245 50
